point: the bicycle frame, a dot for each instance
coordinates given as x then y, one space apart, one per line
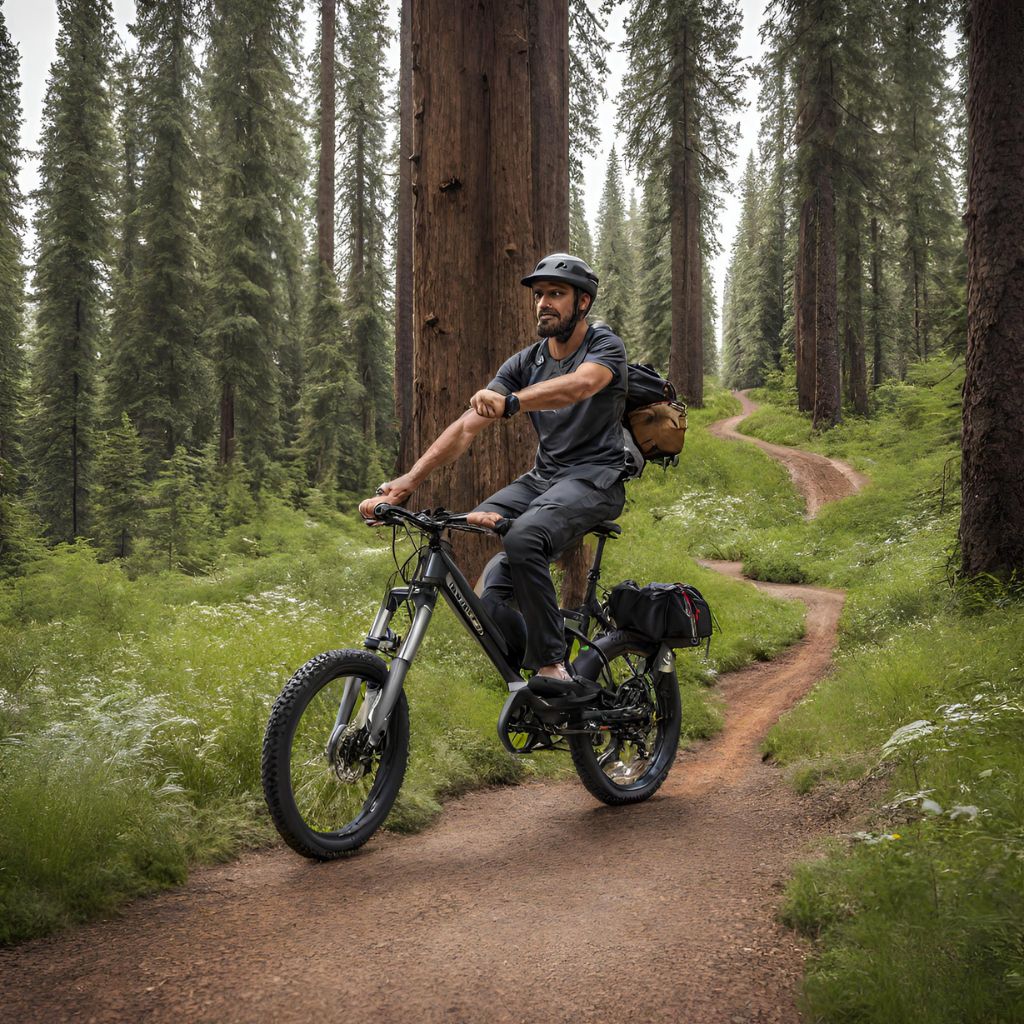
436 573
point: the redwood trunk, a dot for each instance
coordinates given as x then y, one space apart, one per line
856 363
403 248
325 177
828 409
992 518
877 367
804 277
686 354
805 289
479 220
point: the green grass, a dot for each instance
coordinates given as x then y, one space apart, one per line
132 704
919 916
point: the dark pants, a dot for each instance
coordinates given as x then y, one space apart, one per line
546 520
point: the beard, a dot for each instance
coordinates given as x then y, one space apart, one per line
553 326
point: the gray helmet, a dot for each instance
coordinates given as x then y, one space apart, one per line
562 266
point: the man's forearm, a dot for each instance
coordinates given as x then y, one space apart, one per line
450 444
556 393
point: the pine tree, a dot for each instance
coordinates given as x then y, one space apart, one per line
250 89
12 271
614 262
654 277
919 138
682 86
588 70
710 327
119 366
580 241
159 374
177 521
120 481
73 232
364 205
328 406
15 531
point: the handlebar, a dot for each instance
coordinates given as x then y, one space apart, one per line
428 521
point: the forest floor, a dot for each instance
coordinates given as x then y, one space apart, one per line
520 904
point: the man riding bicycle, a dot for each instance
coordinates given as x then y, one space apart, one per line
572 383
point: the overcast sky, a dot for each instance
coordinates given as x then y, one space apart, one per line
33 26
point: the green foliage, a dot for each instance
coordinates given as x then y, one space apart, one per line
614 262
250 73
588 69
178 522
654 277
120 477
73 232
158 373
12 272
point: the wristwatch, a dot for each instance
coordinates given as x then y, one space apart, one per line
511 405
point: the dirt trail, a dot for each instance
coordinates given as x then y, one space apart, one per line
819 479
523 904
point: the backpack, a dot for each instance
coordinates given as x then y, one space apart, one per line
654 421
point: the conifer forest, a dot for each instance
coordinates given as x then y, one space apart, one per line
270 248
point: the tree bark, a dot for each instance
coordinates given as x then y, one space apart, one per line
479 224
804 278
686 352
403 246
877 366
853 270
325 177
992 517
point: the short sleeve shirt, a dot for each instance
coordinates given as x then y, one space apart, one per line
583 440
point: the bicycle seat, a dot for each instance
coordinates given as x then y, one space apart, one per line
606 529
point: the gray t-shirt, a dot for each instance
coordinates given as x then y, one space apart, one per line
583 440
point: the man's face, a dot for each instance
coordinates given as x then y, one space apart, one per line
552 304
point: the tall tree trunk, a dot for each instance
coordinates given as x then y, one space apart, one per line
805 277
325 177
828 408
877 366
804 290
475 221
403 247
992 518
686 353
853 270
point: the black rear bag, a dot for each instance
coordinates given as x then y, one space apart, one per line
661 611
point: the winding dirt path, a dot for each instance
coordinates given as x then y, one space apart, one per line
521 904
818 478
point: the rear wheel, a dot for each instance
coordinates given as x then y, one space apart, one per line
629 762
327 790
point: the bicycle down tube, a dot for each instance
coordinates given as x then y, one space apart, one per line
437 573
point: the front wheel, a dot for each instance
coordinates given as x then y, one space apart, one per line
328 791
628 763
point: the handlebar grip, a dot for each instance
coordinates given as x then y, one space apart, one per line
380 510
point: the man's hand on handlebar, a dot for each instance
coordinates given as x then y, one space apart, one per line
489 520
393 492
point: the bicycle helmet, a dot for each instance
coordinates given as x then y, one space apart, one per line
563 266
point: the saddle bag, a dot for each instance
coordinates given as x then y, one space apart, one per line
668 612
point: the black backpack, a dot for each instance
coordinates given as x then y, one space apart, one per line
654 421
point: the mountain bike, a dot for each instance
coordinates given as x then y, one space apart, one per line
337 741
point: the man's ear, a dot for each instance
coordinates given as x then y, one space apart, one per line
585 309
